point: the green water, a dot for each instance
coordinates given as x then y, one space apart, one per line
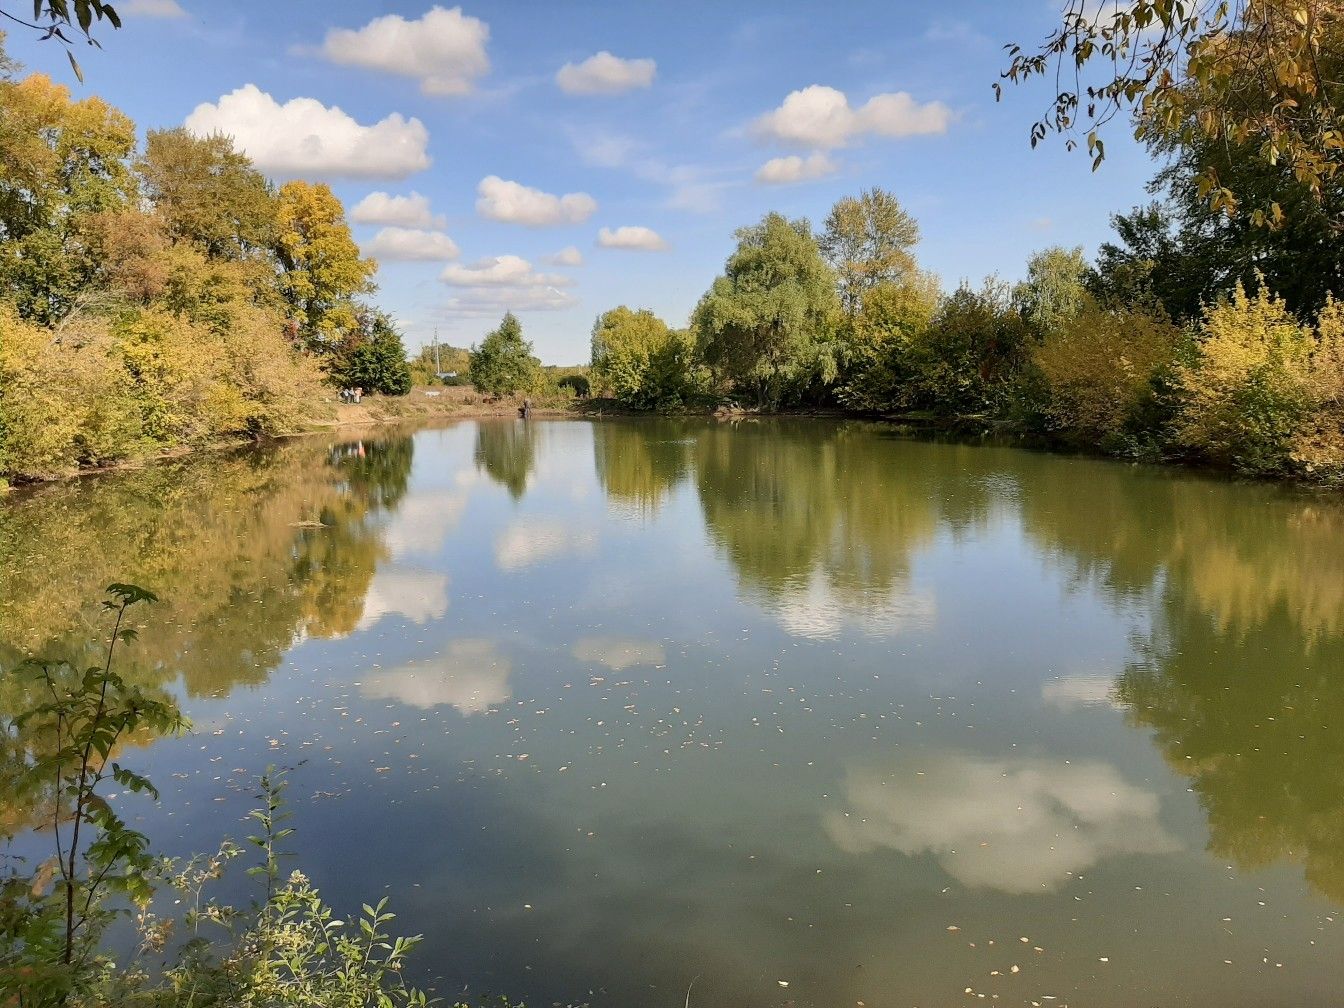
783 713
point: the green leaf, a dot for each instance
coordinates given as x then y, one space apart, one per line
74 65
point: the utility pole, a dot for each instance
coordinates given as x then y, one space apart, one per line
437 370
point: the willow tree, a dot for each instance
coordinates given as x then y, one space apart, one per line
1232 72
764 325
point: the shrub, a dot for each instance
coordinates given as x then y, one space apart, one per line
1100 367
1248 394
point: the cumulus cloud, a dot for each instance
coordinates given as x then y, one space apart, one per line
618 653
605 74
403 211
303 137
528 542
567 256
500 271
151 9
784 170
417 595
514 203
444 50
399 244
470 675
1018 826
639 239
822 118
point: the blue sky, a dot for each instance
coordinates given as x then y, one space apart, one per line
640 163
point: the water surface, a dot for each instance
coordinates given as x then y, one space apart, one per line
797 713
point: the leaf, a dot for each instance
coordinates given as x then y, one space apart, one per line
74 65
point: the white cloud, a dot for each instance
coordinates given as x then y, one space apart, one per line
303 137
403 211
605 74
151 9
501 271
639 239
418 595
817 611
492 302
423 520
514 203
567 256
1080 691
471 676
529 542
1019 826
444 50
399 244
821 118
618 653
784 170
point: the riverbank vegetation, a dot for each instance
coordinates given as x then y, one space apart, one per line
1206 330
161 295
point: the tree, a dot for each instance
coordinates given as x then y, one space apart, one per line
64 161
1101 367
1257 73
972 356
876 363
208 193
503 363
1054 291
1245 393
764 326
321 272
867 242
374 359
640 360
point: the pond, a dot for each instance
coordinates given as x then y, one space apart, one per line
773 713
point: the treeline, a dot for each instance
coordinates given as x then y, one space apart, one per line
1105 357
164 294
1199 333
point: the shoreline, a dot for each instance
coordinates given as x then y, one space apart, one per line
453 403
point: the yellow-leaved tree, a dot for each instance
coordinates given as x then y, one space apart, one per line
1248 393
321 269
1099 366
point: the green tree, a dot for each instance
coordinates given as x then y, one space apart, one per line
640 360
208 193
765 325
1054 290
877 368
374 359
503 363
868 241
321 271
971 359
64 164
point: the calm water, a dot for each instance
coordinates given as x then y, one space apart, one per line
800 713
